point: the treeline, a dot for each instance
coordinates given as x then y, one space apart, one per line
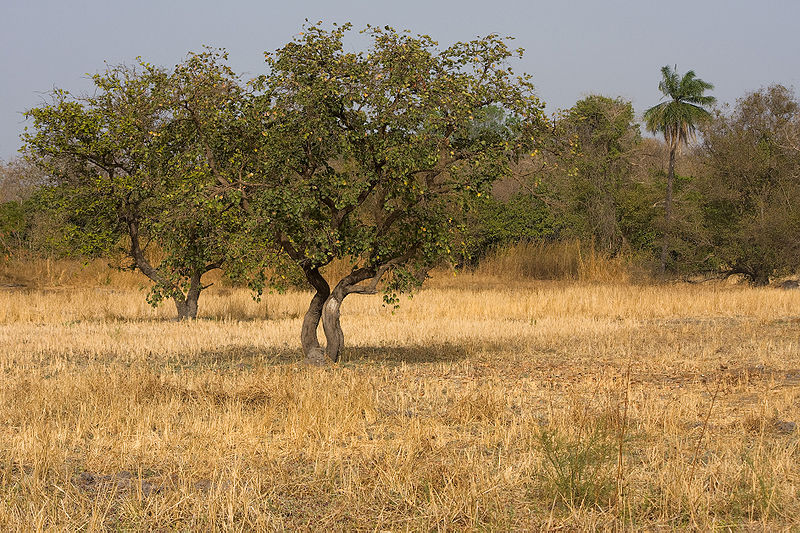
736 191
396 159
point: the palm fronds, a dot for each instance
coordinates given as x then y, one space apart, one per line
677 118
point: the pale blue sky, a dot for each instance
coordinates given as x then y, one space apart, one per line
574 48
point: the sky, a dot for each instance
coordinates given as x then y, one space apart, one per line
573 48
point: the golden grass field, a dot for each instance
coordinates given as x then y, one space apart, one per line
474 406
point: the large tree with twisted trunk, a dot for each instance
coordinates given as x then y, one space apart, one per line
368 157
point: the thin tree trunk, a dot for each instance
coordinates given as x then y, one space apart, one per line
667 241
308 333
186 305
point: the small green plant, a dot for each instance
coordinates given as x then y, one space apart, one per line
580 469
758 486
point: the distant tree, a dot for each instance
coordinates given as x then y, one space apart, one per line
14 224
577 183
494 221
126 168
370 156
677 119
19 181
751 190
600 136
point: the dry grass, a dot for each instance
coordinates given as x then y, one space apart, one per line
24 270
559 260
571 260
468 408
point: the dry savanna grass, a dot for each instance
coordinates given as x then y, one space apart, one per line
474 406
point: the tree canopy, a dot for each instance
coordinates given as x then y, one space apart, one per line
677 118
751 190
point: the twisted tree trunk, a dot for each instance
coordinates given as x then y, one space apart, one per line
326 305
331 324
350 284
308 333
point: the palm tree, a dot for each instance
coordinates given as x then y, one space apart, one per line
677 118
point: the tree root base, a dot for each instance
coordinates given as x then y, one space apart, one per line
316 357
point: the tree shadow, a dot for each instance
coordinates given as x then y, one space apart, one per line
396 355
236 357
244 358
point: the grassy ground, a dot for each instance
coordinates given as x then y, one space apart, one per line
474 406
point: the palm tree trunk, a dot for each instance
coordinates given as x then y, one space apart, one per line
667 240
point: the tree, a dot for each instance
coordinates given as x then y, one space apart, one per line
496 220
751 190
677 119
127 169
370 156
19 182
578 183
596 164
14 224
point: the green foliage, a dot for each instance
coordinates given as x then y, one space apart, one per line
20 185
639 221
751 189
578 183
579 470
14 219
372 156
493 223
601 138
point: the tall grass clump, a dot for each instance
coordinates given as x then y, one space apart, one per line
555 260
